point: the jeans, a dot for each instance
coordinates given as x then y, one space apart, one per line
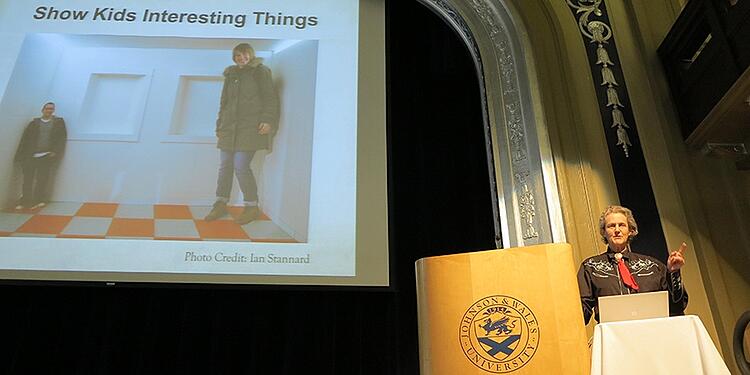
36 173
237 163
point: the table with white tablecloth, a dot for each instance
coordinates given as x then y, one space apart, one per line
678 345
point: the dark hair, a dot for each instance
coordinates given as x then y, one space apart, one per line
48 103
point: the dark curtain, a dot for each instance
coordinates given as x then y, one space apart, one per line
439 204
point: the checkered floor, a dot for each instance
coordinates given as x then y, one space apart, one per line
158 222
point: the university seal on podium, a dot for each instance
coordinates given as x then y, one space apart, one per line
499 334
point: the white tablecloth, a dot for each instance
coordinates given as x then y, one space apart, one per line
678 345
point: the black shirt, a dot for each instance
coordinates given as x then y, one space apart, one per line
599 277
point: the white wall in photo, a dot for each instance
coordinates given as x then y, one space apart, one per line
34 58
122 101
286 181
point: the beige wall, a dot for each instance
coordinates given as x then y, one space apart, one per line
705 198
701 200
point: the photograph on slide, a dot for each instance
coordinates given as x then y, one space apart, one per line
174 138
159 131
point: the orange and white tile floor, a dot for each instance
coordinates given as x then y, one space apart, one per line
157 222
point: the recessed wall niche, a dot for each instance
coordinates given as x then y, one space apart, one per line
196 107
112 107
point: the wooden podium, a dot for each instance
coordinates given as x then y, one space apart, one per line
511 311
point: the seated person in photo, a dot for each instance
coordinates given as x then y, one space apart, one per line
248 115
41 146
621 271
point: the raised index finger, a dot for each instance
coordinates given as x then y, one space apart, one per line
682 248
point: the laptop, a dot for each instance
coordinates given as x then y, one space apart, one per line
633 307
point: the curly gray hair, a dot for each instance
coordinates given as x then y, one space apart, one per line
632 225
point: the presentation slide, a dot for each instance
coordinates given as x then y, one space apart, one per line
193 142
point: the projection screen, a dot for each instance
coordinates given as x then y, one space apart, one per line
157 110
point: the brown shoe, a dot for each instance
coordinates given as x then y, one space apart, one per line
249 214
219 210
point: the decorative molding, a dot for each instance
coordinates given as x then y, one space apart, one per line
513 147
449 13
528 211
514 124
600 33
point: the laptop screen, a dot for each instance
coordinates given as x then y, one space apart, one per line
633 307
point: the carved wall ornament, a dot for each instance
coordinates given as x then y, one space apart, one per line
619 124
528 211
514 124
600 33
